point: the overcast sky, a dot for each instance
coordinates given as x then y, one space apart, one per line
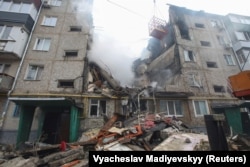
129 18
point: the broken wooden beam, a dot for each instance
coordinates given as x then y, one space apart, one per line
56 163
59 155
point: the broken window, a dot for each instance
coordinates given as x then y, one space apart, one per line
219 89
71 53
189 56
171 107
211 64
65 84
199 25
183 29
97 108
205 43
194 80
200 107
229 59
76 28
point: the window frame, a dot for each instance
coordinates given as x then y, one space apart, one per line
60 85
98 105
205 43
71 53
187 56
217 87
195 109
221 40
5 32
36 77
194 80
75 28
167 110
4 67
43 40
230 62
211 62
48 21
16 111
55 2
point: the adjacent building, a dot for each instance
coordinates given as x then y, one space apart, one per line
47 97
238 28
17 19
189 67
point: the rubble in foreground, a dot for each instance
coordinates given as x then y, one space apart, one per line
143 132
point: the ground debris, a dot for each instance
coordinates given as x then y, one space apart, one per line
143 132
239 142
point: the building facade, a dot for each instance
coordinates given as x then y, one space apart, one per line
58 92
17 19
238 28
189 67
49 87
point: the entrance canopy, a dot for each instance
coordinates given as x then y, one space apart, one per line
59 101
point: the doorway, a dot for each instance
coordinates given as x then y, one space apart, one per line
56 126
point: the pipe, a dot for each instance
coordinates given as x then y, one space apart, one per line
21 63
57 95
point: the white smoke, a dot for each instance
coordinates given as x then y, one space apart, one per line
113 56
117 40
119 36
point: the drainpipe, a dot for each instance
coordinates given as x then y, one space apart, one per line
20 65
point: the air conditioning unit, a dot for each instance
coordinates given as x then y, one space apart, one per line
46 4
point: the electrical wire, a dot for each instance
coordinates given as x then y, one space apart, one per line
131 11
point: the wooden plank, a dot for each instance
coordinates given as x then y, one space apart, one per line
59 155
65 160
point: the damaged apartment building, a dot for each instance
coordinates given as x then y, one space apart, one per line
187 68
58 93
17 19
46 102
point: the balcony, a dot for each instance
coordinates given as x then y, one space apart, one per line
6 82
241 44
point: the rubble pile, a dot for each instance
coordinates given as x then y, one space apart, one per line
239 143
142 132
